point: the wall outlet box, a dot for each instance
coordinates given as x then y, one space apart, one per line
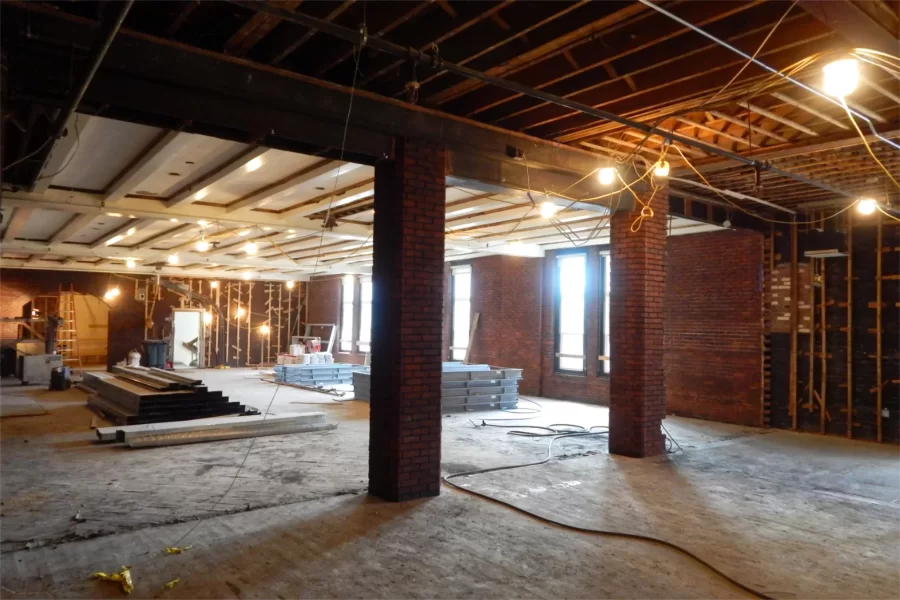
885 413
140 295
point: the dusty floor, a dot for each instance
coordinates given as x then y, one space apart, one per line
796 516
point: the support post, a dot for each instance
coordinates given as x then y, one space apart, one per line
637 403
407 314
823 341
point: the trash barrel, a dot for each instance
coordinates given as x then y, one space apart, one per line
59 379
155 353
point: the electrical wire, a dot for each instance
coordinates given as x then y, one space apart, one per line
24 158
752 213
363 37
868 147
448 479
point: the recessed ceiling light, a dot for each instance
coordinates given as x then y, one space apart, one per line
254 164
174 220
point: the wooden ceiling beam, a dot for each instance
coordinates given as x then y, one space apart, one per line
256 28
701 18
509 39
481 16
853 24
293 45
189 7
19 218
404 17
542 52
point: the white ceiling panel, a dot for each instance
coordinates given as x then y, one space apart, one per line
271 167
43 223
98 226
104 148
350 174
193 156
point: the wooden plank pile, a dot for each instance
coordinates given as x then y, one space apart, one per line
137 395
464 388
208 430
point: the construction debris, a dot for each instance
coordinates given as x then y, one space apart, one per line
134 395
123 577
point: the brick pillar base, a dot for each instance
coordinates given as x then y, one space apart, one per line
637 398
407 328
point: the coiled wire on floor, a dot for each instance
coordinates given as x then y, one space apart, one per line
555 434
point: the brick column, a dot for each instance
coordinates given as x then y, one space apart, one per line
637 397
407 307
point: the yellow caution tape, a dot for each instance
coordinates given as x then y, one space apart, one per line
177 550
171 584
123 577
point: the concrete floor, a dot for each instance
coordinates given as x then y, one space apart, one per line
796 516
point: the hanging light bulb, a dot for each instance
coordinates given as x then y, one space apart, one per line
173 259
866 206
841 77
213 284
247 275
202 223
289 285
130 263
606 175
207 317
251 247
202 245
548 209
240 312
264 329
661 169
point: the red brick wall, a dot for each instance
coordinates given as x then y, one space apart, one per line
506 292
714 326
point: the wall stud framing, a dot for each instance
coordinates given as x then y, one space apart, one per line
850 324
879 384
795 299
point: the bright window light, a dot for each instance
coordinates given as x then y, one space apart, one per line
866 206
841 77
461 312
606 175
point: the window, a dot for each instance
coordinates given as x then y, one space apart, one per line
570 312
348 292
461 314
365 315
603 367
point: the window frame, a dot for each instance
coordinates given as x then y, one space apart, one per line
354 307
456 270
357 342
604 274
557 304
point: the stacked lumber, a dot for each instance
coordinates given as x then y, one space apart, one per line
137 395
464 387
317 375
207 430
